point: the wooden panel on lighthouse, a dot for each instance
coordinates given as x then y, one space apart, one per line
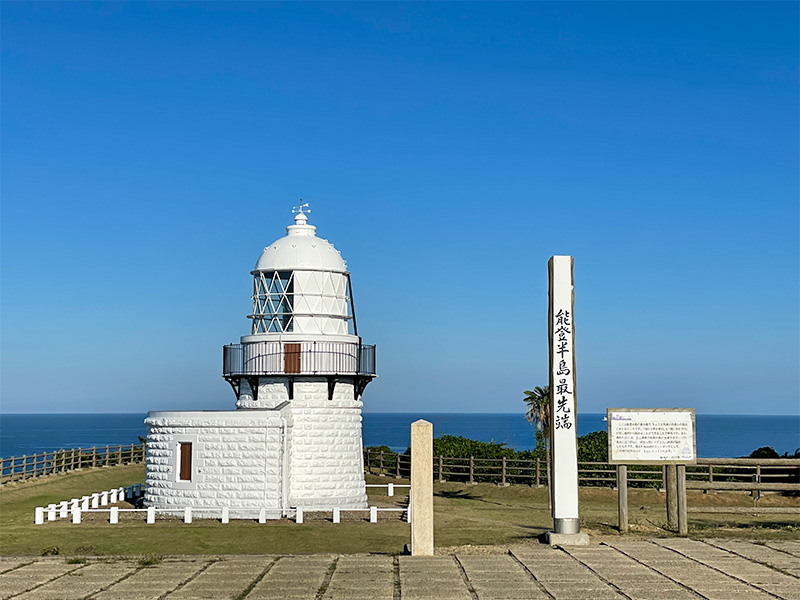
291 361
186 461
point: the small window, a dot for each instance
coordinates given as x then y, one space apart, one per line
186 461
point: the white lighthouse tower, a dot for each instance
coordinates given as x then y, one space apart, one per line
295 438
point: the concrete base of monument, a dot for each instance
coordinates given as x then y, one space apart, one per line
567 539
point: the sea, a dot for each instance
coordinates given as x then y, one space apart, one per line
718 436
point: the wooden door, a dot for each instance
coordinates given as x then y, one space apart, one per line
186 461
291 358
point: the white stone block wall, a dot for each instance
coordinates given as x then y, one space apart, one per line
325 455
272 392
237 461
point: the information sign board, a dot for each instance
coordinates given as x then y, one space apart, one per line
651 436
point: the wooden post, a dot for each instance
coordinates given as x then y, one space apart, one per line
757 493
672 498
503 473
397 466
622 497
94 456
380 472
538 472
683 517
441 469
471 470
421 501
366 462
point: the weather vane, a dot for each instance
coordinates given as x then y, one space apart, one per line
302 208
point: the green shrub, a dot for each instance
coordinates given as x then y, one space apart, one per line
458 446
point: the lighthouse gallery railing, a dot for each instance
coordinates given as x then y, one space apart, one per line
302 358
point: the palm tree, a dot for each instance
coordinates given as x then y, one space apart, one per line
538 412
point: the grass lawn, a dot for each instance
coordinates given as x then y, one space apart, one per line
482 514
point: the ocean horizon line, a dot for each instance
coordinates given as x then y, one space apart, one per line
380 412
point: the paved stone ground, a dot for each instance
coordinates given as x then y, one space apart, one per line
658 569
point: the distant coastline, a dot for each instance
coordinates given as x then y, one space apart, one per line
718 436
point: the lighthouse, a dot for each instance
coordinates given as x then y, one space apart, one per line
294 438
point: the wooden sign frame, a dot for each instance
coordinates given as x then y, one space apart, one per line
675 461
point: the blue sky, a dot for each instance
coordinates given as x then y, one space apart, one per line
151 150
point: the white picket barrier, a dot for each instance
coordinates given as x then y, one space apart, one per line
390 487
89 504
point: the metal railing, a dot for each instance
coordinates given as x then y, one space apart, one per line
302 358
30 466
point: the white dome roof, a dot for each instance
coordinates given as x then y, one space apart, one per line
300 249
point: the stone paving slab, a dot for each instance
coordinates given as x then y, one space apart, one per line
9 564
659 569
293 578
152 582
33 575
224 579
788 546
424 578
362 578
759 577
709 571
79 583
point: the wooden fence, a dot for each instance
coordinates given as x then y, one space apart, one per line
19 468
750 474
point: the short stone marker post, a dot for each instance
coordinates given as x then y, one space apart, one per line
336 515
51 512
63 510
421 500
103 498
225 515
151 515
113 515
85 502
373 514
298 515
95 500
262 515
76 516
114 496
38 515
187 514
